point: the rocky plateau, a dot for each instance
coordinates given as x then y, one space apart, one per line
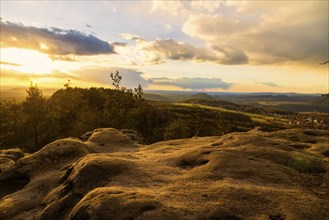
112 174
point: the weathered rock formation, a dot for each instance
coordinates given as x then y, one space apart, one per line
252 175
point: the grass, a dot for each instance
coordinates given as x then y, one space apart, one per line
254 117
277 103
306 163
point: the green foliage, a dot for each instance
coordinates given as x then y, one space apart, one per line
116 78
148 120
35 111
11 123
139 92
306 163
72 111
68 84
268 127
177 129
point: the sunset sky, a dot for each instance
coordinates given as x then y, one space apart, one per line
229 46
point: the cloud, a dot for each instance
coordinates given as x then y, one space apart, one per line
60 74
232 56
167 26
133 37
52 41
269 84
170 49
9 63
172 7
130 78
160 50
23 76
275 32
67 58
207 6
119 44
180 8
192 83
99 76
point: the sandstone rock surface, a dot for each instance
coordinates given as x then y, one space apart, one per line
252 175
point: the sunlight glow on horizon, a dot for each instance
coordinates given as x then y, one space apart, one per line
29 61
275 50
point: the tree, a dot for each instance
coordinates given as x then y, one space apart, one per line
197 112
65 106
219 123
177 129
68 84
11 124
120 101
35 109
139 93
116 78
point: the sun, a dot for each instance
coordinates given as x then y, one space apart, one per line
27 61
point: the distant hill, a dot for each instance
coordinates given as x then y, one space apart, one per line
156 97
203 96
292 102
295 103
19 94
322 101
237 107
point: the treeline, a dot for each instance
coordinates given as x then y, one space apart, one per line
74 111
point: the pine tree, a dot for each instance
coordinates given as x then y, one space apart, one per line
35 110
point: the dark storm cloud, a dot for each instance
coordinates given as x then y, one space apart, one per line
52 41
119 44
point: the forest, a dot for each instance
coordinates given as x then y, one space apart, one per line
73 111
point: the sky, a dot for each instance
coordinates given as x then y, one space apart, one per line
222 46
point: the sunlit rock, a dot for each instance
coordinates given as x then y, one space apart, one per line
110 175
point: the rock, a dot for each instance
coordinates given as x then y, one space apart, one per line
111 140
105 136
113 203
55 155
13 154
133 135
8 157
96 170
86 136
5 163
251 175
